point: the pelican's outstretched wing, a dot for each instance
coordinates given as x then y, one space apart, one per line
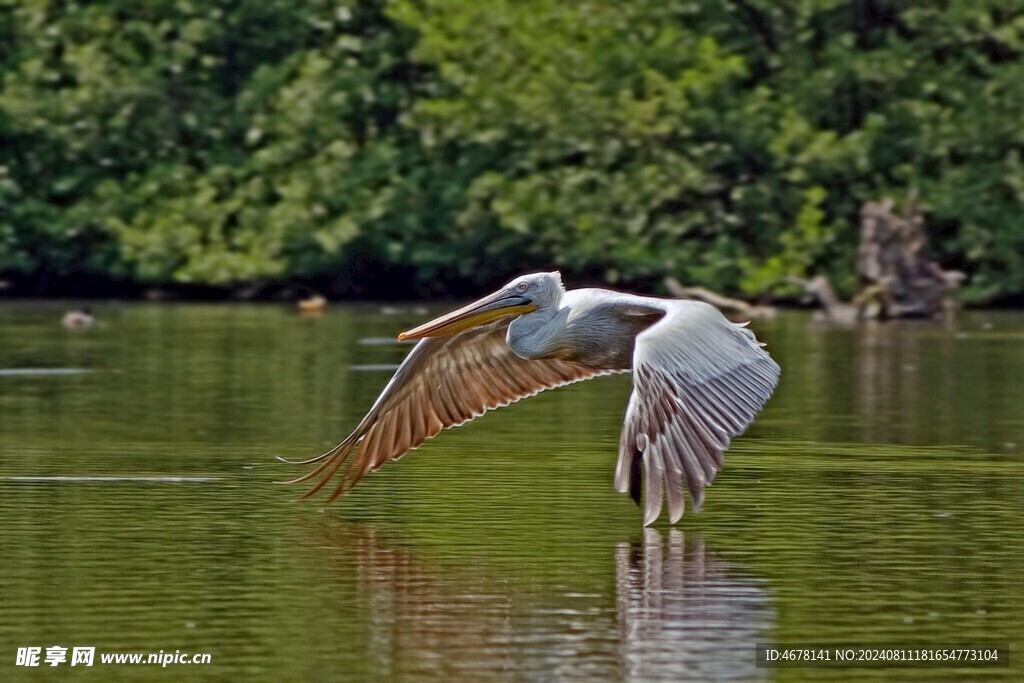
443 382
698 381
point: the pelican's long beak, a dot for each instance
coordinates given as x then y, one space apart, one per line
498 305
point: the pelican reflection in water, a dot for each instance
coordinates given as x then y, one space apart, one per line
675 611
698 381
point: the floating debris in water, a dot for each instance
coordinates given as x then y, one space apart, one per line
28 372
382 341
400 310
312 304
78 319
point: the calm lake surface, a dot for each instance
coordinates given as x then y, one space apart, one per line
879 498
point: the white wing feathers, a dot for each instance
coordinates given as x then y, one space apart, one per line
698 381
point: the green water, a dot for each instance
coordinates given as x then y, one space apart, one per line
878 499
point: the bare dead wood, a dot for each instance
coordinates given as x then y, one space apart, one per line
896 279
719 301
833 308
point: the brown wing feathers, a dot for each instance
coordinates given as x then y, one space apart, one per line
444 382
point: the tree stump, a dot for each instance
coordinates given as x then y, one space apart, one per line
895 278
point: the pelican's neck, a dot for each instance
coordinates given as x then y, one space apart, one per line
531 335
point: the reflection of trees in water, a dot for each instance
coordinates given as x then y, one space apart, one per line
911 383
680 613
905 382
676 613
886 380
423 620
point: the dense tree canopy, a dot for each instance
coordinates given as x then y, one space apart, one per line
729 143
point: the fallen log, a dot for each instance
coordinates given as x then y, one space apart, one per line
724 303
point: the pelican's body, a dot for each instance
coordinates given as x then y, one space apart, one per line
698 381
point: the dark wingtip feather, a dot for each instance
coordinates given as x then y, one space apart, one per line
635 474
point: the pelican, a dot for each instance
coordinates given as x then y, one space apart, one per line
698 381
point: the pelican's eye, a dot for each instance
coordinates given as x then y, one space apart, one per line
522 286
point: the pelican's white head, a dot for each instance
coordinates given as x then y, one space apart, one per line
542 289
524 294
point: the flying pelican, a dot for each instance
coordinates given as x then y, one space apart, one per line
698 381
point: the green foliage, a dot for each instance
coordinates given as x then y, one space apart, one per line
730 144
799 247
